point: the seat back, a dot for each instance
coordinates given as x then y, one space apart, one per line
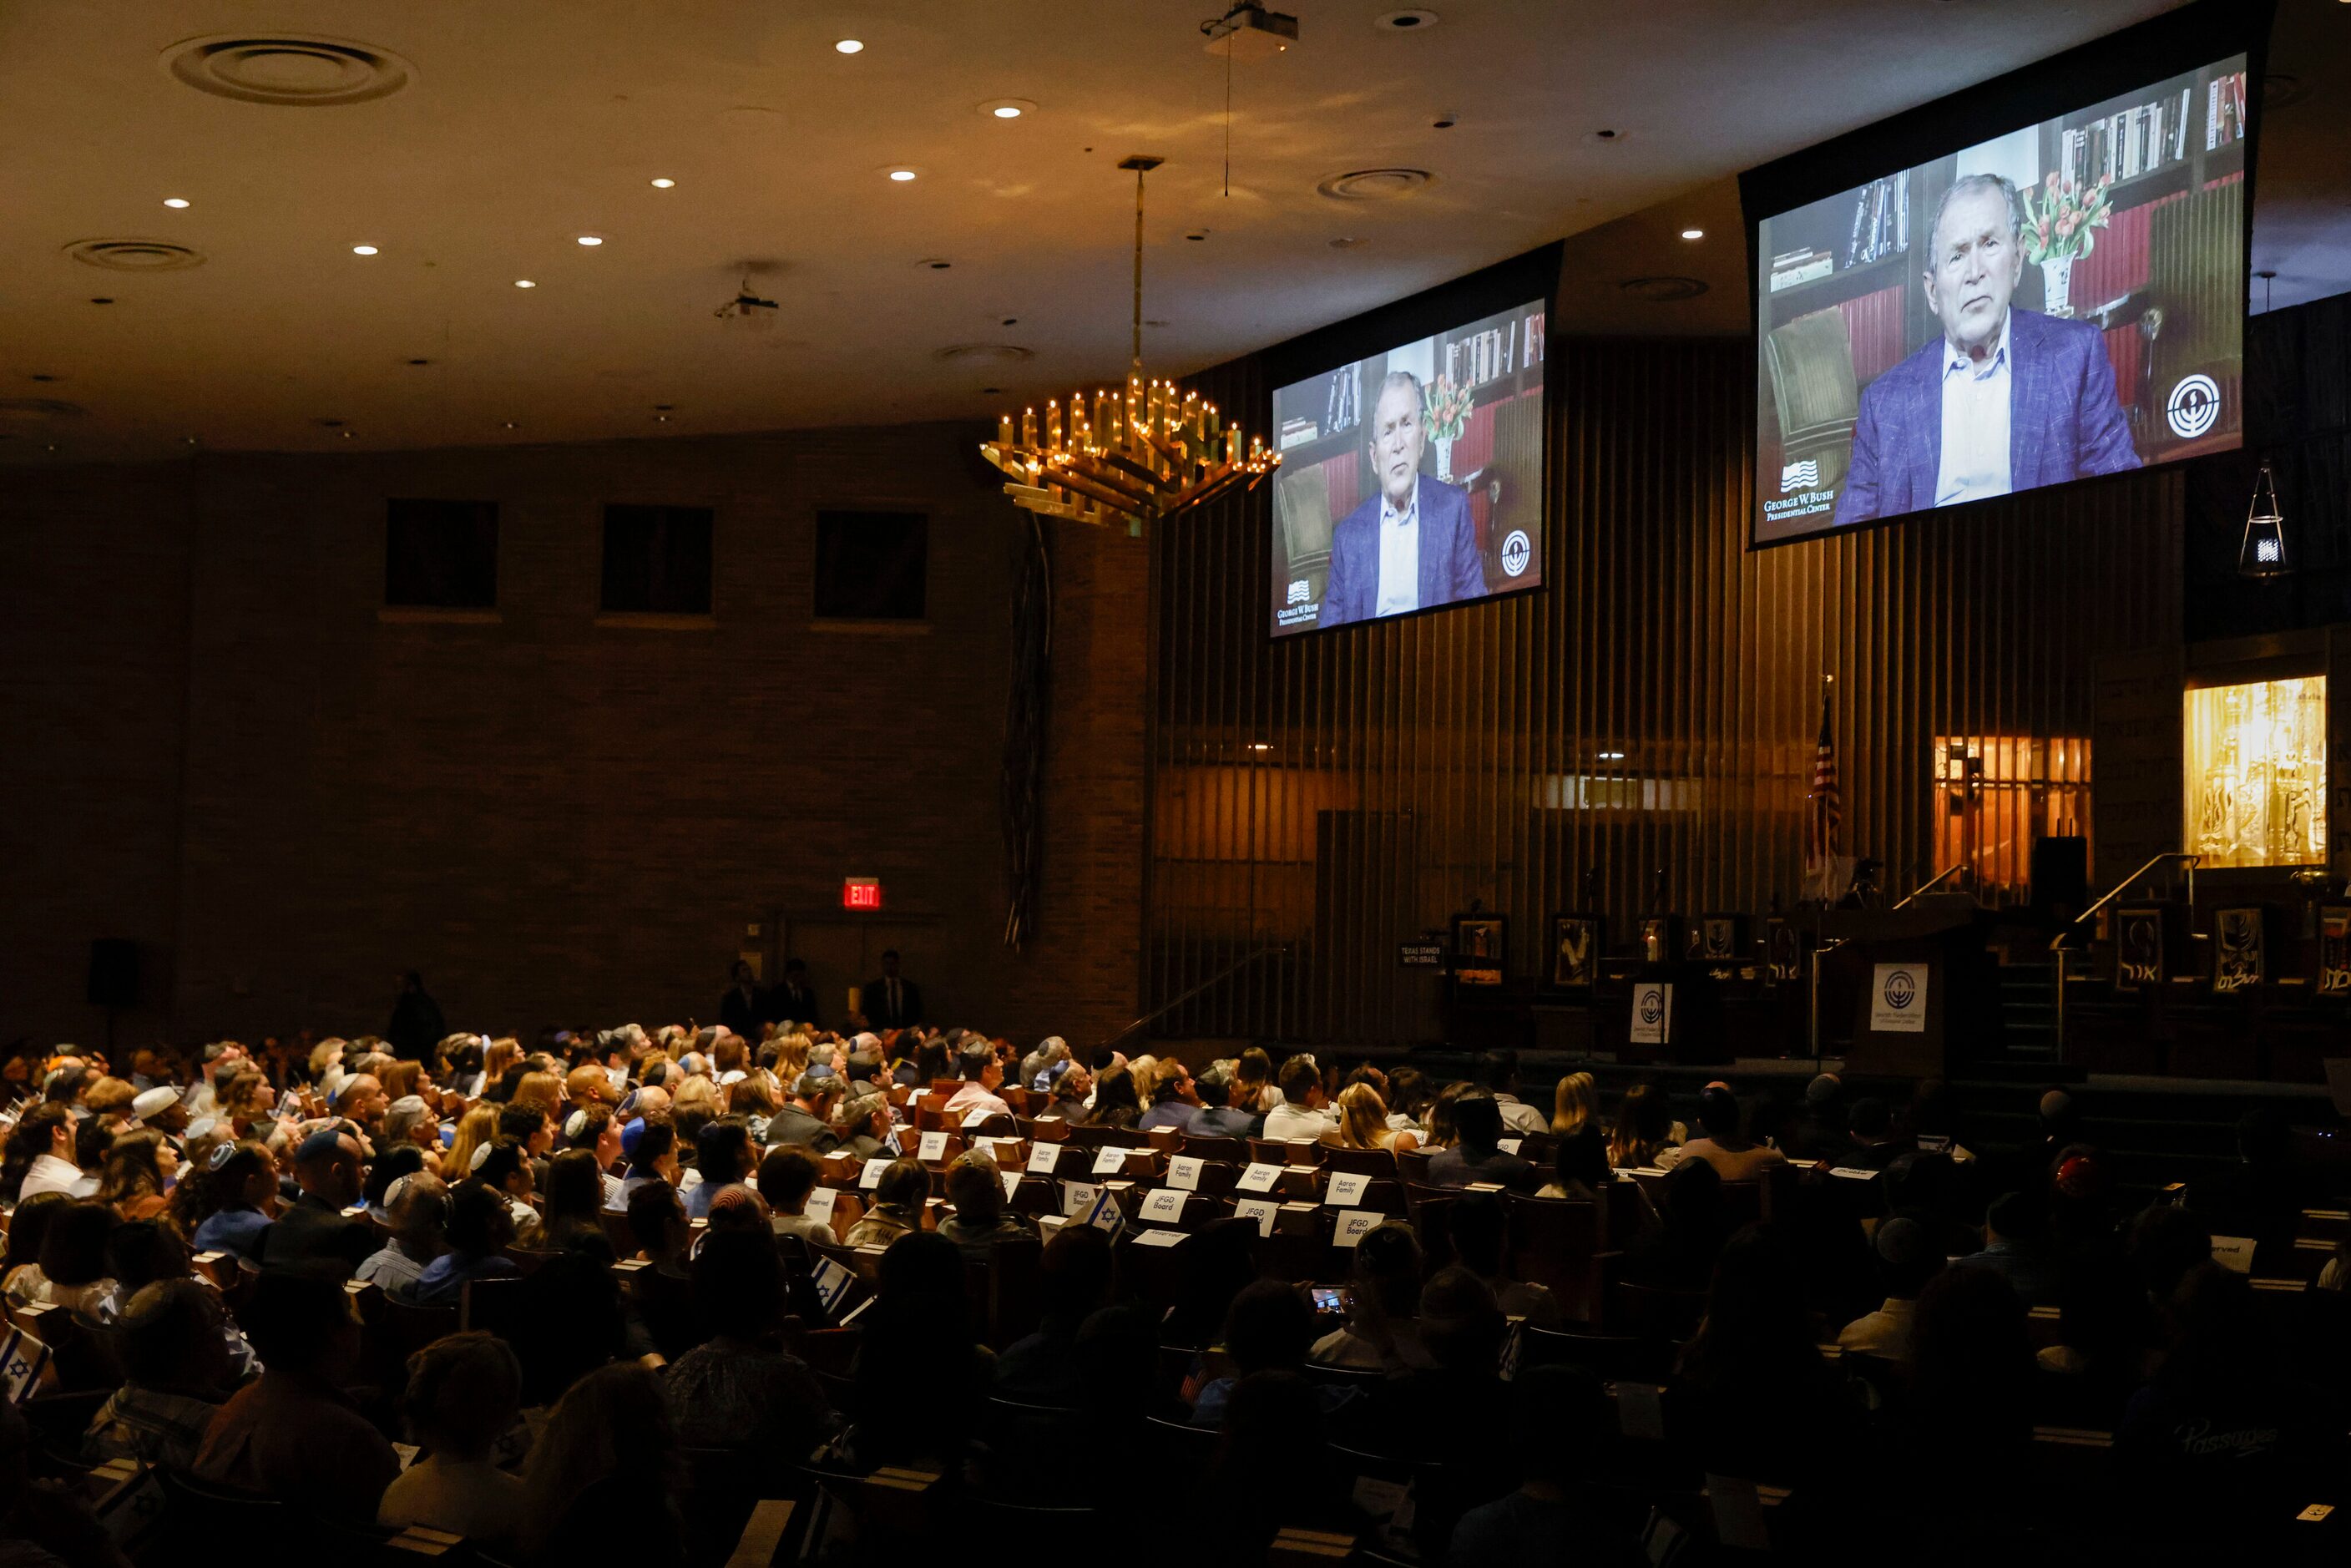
1359 1162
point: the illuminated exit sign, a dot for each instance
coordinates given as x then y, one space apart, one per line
861 893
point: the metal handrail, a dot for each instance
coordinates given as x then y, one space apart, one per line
1219 977
1929 885
2124 886
2057 943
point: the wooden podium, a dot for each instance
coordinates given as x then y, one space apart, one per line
1916 986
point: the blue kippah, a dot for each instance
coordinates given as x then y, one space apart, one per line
322 1145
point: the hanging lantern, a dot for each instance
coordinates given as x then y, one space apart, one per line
2262 551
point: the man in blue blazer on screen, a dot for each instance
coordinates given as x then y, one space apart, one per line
1411 546
2002 400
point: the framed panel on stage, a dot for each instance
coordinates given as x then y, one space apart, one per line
1479 945
1720 941
1576 943
1661 938
1783 951
2240 949
2334 951
2139 947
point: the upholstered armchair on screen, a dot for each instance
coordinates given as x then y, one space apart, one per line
1813 386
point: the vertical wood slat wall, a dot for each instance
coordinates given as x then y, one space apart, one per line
1342 792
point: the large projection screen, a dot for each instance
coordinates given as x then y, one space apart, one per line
2040 300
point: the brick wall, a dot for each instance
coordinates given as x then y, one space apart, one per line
556 817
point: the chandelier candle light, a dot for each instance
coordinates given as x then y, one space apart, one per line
1137 456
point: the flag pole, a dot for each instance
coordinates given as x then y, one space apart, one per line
1821 943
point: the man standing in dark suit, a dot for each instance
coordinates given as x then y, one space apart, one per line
738 1009
793 999
892 1001
2002 400
1412 545
416 1025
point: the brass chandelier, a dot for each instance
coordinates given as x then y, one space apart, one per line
1134 455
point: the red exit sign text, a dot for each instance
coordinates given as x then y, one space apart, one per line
861 893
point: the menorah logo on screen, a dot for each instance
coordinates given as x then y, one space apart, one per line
1802 476
2193 407
1517 550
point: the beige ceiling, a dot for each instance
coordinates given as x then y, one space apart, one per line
528 122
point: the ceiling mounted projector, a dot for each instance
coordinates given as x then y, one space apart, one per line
1250 32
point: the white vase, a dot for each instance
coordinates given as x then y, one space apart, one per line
1445 458
2057 286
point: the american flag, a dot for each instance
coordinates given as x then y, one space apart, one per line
1828 805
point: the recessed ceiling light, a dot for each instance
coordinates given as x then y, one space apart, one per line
592 239
362 250
175 200
525 283
850 46
1001 111
663 183
510 425
1008 107
1405 21
902 173
1693 234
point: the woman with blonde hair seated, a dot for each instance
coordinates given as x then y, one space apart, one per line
1363 1122
475 1128
1576 1104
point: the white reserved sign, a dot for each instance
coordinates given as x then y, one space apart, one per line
1164 1204
1354 1225
1043 1157
1261 1209
934 1146
977 1117
819 1203
1346 1189
1184 1173
1509 1145
1159 1238
1011 1184
2234 1253
874 1169
1109 1162
1653 1013
1897 998
1259 1177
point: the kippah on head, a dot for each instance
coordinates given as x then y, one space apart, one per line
1901 1242
154 1102
322 1145
1822 1089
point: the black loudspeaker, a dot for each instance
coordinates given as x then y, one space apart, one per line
113 972
2061 873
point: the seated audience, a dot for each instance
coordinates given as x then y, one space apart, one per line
921 1374
1217 1117
1363 1123
1575 1105
1563 1425
741 1388
293 1432
480 1229
786 1176
1643 1129
177 1371
314 1233
463 1394
1497 1072
417 1210
1382 1297
976 1192
1907 1259
1174 1103
1478 1229
1303 1115
1724 1145
1477 1155
572 1217
2013 1230
897 1206
603 1477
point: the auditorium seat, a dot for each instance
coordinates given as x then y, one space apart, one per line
1219 1151
1359 1162
1654 1312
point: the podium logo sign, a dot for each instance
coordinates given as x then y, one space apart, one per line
1898 999
1653 1013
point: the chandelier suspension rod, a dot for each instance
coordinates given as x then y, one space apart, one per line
1139 171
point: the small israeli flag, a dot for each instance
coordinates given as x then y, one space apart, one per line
23 1358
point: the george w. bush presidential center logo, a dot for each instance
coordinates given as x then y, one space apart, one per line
1803 475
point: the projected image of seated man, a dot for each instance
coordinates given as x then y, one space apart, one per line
1412 545
2005 399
